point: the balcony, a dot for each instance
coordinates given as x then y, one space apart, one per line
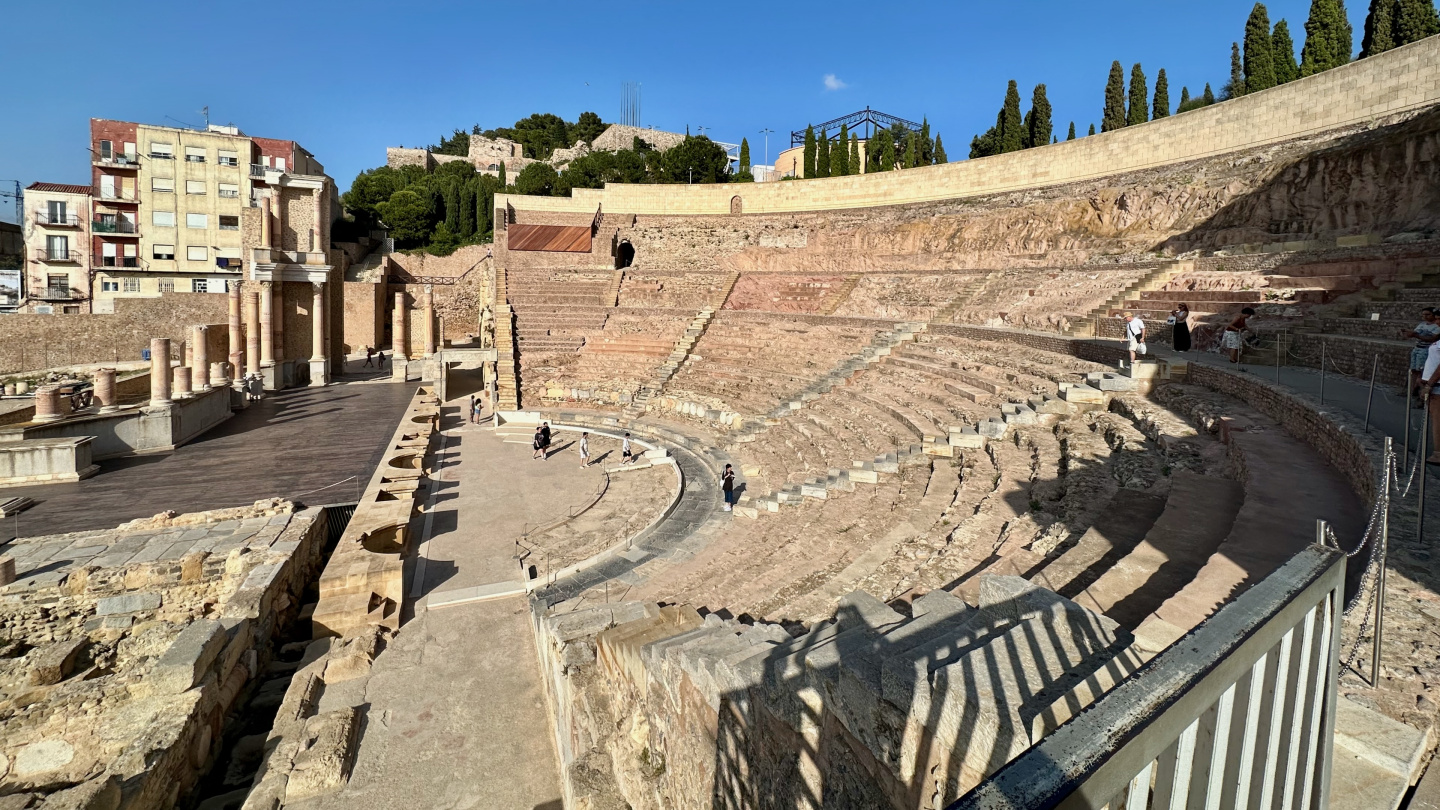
268 174
275 256
123 162
118 227
115 196
123 262
57 220
60 294
70 256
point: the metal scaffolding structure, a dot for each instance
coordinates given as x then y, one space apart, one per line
870 118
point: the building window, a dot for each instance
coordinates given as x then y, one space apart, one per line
162 151
197 220
199 285
194 186
229 190
162 184
227 158
107 150
162 219
57 286
194 154
163 252
229 223
197 253
132 285
167 285
109 286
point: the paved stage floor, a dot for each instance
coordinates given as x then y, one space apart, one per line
289 443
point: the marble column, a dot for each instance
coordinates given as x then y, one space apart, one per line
277 321
200 357
252 332
180 380
219 374
318 372
429 314
237 339
159 372
399 329
47 404
105 389
267 317
267 233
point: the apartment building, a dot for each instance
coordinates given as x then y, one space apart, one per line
57 242
171 205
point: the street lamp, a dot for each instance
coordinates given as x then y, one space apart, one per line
766 133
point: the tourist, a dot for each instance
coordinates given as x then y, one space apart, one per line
369 357
1134 335
380 359
1425 335
538 443
626 454
477 407
1429 379
584 449
545 440
727 483
1233 340
1180 336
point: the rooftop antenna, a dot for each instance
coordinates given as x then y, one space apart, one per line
205 111
19 201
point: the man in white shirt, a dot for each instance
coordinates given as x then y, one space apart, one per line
1429 381
1134 335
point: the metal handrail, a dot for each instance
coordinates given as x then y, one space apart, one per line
117 226
63 221
47 255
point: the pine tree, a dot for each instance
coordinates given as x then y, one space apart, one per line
939 151
1379 28
1162 96
1414 20
840 159
1328 37
1236 87
856 167
822 154
1139 97
1092 129
1113 116
1011 132
744 156
1259 58
1071 136
809 151
1283 47
1040 128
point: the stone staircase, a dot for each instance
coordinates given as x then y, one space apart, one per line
963 298
678 354
1153 280
507 373
838 295
612 294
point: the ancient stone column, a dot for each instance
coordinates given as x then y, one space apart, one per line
440 332
267 317
429 332
183 350
219 374
237 340
105 389
266 232
318 371
200 357
181 379
47 404
252 332
277 321
159 371
399 329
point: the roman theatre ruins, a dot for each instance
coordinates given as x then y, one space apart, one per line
977 559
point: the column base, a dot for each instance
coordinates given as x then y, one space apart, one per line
399 370
319 372
274 376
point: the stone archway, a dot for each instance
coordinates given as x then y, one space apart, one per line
624 255
737 205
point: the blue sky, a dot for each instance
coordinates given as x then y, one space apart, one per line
348 79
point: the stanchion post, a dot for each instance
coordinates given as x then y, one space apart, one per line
1380 564
1370 397
1405 441
1279 347
1322 371
1420 460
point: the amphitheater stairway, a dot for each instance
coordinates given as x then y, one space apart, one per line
678 354
1153 280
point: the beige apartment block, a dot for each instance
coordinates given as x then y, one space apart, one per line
57 240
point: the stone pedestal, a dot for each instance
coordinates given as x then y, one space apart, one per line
159 372
48 404
181 381
105 389
219 374
200 358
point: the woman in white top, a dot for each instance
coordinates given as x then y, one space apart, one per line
584 450
1429 379
1425 335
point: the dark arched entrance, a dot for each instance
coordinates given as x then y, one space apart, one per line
624 255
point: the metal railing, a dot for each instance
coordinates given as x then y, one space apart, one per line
120 161
113 226
68 255
1240 712
131 262
114 196
57 221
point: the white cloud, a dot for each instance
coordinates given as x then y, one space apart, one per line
832 83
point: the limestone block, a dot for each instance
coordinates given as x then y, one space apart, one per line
864 474
967 439
1143 371
323 764
992 428
97 794
188 658
813 489
7 570
934 446
355 655
41 757
1014 414
1083 394
888 463
127 603
55 662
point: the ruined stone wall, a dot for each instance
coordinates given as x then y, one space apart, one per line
365 304
397 156
459 303
44 341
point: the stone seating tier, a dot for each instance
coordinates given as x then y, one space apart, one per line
689 291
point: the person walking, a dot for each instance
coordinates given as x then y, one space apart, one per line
627 455
1134 335
1425 336
727 483
369 357
1233 340
544 440
584 449
538 443
1180 335
381 358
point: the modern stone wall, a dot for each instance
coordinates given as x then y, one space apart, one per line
1396 82
46 341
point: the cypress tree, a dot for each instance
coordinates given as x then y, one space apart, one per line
502 174
927 144
989 143
450 193
1025 142
1092 129
887 151
840 160
1379 28
1139 97
1012 130
1328 37
1283 47
939 151
1184 98
1259 58
1040 127
744 156
856 167
1236 87
822 154
809 151
1113 115
1071 136
1162 96
911 157
1414 20
467 207
1209 97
